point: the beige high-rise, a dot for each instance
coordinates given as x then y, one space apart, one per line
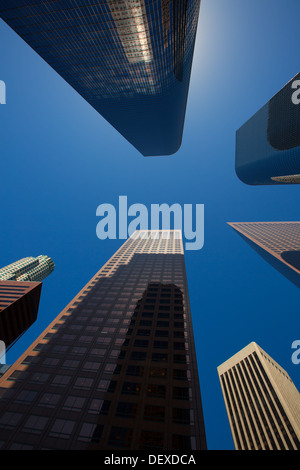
262 403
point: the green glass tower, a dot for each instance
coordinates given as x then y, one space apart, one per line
28 269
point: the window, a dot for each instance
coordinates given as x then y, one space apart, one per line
179 345
181 442
162 333
138 356
181 415
126 410
78 350
120 437
180 374
151 439
49 399
137 371
103 385
89 432
181 393
178 334
156 390
74 403
92 366
159 357
105 407
50 362
62 428
84 383
143 332
26 396
10 419
61 380
95 405
112 386
160 344
131 388
179 359
162 323
154 413
98 352
39 377
35 424
158 372
30 360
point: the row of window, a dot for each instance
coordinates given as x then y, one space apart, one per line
121 437
118 437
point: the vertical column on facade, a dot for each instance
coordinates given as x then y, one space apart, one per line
251 414
240 436
266 414
244 405
282 431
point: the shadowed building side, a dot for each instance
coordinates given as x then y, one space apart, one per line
278 243
268 144
19 303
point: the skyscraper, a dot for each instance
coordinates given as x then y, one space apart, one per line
20 291
268 144
262 403
116 369
277 242
19 303
131 59
28 269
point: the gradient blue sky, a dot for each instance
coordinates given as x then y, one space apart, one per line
60 160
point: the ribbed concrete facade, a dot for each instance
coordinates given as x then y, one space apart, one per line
262 403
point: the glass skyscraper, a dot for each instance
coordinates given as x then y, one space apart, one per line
268 144
278 243
130 59
262 403
31 268
117 368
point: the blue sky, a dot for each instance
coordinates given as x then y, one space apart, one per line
60 160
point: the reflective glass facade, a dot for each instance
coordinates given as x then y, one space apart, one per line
268 144
116 369
130 59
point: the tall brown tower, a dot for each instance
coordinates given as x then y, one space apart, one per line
117 367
